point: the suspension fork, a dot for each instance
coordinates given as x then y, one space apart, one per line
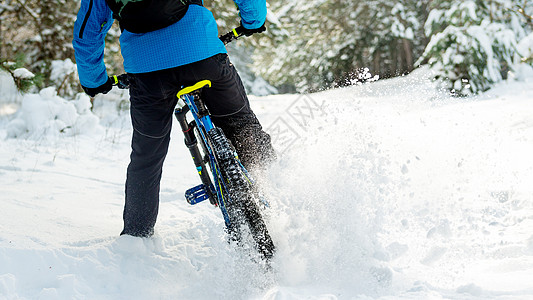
192 144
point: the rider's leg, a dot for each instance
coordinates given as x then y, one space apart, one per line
151 114
247 136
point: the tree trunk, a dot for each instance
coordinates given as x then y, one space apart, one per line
1 38
408 51
377 62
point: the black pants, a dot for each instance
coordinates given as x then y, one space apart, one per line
153 98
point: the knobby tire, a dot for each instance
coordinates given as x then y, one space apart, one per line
240 196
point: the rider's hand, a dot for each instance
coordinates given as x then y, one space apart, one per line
122 81
249 32
104 88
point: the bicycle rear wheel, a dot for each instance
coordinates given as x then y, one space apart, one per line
240 196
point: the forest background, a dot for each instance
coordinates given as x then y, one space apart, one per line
309 46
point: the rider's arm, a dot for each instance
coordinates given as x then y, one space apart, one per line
91 26
253 12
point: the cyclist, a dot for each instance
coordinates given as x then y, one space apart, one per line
158 64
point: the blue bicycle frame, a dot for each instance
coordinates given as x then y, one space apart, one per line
214 191
203 122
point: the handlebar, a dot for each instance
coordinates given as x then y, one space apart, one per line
122 80
232 35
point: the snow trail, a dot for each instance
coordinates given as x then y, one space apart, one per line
382 191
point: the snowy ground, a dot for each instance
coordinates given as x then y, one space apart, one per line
390 190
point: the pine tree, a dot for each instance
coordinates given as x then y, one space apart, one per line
473 42
323 43
40 31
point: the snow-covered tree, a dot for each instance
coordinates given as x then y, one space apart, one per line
525 46
474 42
39 31
321 43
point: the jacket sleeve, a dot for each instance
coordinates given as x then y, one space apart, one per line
92 24
253 12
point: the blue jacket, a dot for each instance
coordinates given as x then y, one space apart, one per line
193 38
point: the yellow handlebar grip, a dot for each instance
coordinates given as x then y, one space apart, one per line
192 88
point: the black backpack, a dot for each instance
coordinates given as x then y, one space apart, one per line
141 16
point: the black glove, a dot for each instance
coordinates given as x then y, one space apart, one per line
104 88
249 32
123 81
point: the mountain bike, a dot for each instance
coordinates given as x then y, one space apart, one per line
227 184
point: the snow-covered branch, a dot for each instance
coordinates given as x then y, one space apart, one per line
522 11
